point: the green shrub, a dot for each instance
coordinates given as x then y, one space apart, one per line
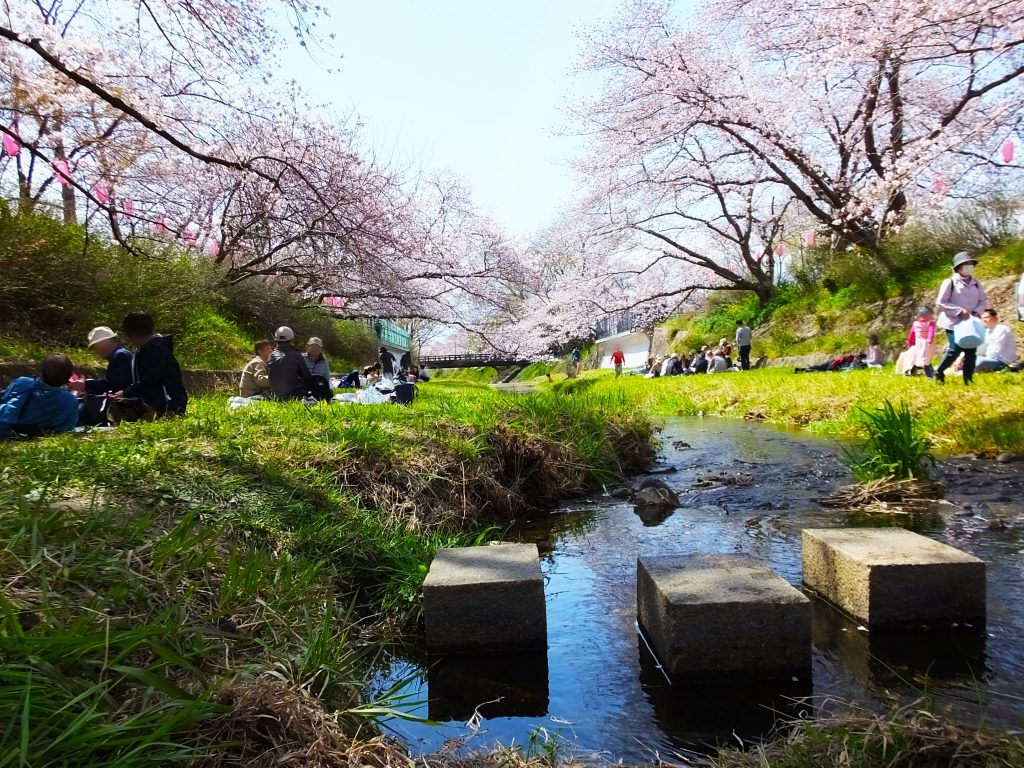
895 447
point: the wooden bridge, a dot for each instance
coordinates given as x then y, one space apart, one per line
471 361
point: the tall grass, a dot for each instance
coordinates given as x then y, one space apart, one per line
895 447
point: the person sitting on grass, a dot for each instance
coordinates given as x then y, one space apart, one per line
999 350
700 361
32 407
156 375
875 357
851 362
350 381
717 362
314 357
290 378
255 379
104 343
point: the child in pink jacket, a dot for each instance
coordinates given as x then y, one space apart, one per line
921 339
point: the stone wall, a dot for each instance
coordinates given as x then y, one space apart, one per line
195 381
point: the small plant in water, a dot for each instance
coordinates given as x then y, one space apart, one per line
895 447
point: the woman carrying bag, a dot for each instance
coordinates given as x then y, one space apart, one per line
961 298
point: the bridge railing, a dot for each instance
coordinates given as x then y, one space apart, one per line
469 361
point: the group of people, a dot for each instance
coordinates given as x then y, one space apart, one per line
144 385
280 372
148 384
718 359
976 341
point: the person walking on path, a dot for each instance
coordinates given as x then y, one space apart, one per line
960 297
618 359
743 338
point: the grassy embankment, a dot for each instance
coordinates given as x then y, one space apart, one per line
834 314
988 416
219 584
60 281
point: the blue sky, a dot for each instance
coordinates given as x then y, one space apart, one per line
478 88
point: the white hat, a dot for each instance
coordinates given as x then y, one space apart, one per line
315 340
284 333
100 333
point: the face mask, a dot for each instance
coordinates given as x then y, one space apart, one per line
966 270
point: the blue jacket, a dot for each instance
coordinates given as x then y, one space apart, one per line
118 376
320 368
156 377
31 404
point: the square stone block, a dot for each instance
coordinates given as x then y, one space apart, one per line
892 577
483 598
722 617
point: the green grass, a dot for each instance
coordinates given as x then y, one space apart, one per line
159 572
988 416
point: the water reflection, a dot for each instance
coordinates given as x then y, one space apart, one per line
918 658
513 684
698 716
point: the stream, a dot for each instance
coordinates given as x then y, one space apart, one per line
746 488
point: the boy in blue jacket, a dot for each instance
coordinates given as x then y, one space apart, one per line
34 407
156 375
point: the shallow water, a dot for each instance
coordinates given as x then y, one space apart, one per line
747 488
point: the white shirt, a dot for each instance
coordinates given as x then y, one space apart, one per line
666 366
1000 344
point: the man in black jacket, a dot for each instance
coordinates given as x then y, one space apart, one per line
156 375
290 378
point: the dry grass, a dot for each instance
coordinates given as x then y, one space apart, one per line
887 495
272 724
910 737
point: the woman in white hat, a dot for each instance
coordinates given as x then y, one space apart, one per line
104 343
960 297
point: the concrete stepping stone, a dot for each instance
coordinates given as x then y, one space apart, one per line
892 577
722 617
485 598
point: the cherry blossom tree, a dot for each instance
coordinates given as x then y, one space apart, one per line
847 109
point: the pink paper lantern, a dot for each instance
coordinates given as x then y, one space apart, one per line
1007 150
161 224
939 185
809 239
189 235
780 249
214 249
62 172
11 145
102 194
128 207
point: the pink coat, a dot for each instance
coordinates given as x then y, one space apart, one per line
922 340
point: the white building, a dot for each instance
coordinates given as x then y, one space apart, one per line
616 332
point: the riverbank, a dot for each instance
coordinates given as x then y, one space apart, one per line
987 417
219 585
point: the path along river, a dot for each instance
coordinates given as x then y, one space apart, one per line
747 488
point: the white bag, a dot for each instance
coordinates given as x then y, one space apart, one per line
905 362
969 333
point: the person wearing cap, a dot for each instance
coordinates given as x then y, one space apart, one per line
104 343
290 378
921 341
960 297
314 357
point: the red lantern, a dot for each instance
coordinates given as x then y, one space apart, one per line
780 249
939 186
1007 149
11 145
214 249
809 239
128 207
